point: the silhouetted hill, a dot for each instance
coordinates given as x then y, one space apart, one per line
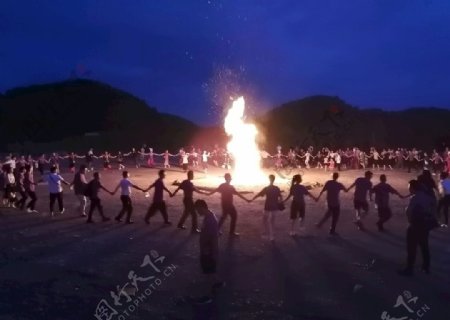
83 113
329 121
78 114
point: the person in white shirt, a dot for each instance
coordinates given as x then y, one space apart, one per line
11 162
338 159
125 186
55 189
205 156
10 184
185 161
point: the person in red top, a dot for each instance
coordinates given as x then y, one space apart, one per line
227 192
158 203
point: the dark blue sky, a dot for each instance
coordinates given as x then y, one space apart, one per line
186 56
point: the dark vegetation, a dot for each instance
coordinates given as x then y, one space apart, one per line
78 114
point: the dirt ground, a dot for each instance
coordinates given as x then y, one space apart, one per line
63 268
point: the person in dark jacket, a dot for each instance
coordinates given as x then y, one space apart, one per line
209 246
419 212
92 190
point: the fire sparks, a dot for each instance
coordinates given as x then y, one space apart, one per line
242 146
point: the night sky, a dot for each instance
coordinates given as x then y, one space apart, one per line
187 56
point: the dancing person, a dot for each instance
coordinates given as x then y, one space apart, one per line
42 161
151 158
271 206
120 159
417 234
54 160
125 186
184 161
188 201
298 193
55 189
227 192
72 161
158 203
107 160
89 159
166 155
338 160
444 202
362 186
410 163
308 157
9 194
142 154
205 157
376 159
79 184
92 190
332 188
382 191
20 188
30 188
194 156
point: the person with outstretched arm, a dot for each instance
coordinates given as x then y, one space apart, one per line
227 192
158 203
333 189
125 186
298 193
188 201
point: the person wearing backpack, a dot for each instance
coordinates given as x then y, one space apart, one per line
92 190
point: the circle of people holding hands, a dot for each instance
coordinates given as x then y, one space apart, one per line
325 158
428 200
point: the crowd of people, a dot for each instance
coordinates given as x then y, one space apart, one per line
429 201
196 158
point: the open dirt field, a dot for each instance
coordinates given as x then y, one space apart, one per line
62 268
